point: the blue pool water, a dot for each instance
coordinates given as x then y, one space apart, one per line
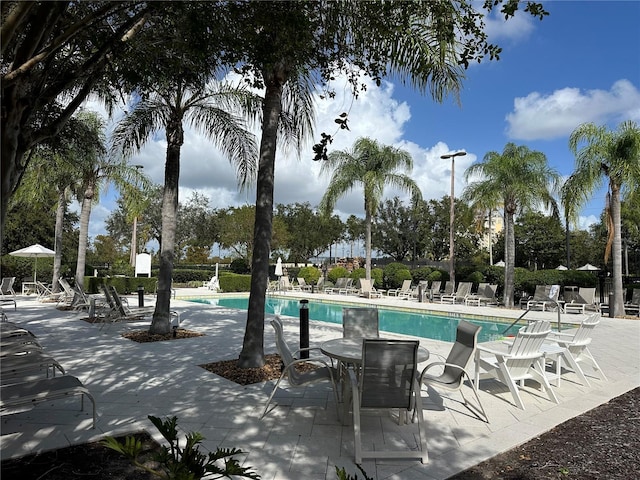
426 325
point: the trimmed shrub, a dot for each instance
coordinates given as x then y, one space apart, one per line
233 282
310 274
336 273
421 273
239 265
394 274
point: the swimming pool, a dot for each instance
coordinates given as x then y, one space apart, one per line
426 325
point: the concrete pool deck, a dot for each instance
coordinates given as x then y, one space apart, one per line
301 437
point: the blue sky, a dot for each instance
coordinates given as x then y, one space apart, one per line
580 64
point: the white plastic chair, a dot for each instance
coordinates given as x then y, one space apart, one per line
522 360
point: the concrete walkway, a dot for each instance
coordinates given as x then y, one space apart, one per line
301 437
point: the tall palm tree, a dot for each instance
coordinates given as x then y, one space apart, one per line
615 156
213 109
516 180
372 166
94 169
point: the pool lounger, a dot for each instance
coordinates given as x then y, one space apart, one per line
31 393
16 365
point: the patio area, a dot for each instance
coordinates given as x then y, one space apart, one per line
301 437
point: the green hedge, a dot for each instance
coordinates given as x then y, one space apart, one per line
124 285
234 282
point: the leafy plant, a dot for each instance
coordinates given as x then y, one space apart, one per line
183 463
343 475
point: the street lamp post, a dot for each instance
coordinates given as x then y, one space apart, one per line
452 213
134 235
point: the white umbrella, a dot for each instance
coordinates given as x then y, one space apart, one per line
279 267
589 268
561 267
499 264
34 251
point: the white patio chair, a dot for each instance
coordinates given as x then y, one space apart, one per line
522 360
577 344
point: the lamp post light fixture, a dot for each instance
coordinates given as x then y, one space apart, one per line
134 235
452 215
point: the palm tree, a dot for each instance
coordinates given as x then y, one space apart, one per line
516 180
209 109
93 169
615 156
372 166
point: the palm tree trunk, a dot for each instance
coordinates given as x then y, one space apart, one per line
83 237
510 260
161 324
617 308
367 241
57 241
252 355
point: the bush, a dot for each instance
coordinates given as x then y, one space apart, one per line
394 274
310 274
124 285
421 273
336 273
239 265
232 282
475 277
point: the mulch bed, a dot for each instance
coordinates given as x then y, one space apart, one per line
143 336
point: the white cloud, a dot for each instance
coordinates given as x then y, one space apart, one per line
516 28
585 222
375 114
539 116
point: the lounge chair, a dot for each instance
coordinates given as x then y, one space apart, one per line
522 360
367 290
13 367
577 347
27 394
7 294
434 289
545 298
360 322
461 293
285 284
633 306
448 290
388 380
404 291
453 370
340 283
486 296
295 378
586 300
302 284
348 287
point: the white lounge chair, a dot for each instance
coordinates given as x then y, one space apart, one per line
295 378
367 290
404 291
448 290
522 360
586 300
388 380
7 294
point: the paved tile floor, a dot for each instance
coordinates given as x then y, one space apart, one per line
301 437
